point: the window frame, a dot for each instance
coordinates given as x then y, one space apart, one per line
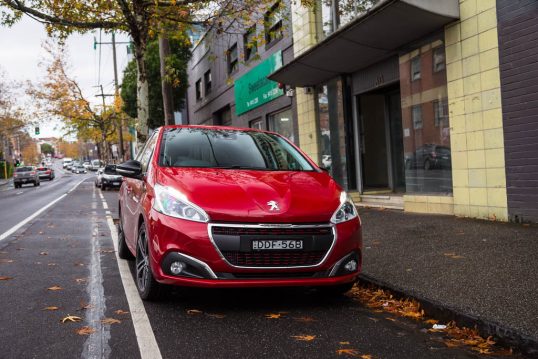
415 123
434 63
233 62
273 29
198 89
440 121
416 75
251 51
207 89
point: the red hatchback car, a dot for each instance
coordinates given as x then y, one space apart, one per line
228 207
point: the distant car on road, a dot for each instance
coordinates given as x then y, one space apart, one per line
24 175
428 157
67 162
96 164
87 165
79 169
108 178
45 172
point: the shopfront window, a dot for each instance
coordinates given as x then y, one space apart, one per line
332 131
336 13
282 123
425 121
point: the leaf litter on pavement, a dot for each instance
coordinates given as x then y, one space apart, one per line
3 277
382 300
71 318
304 337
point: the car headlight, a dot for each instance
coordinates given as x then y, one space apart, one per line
346 211
173 203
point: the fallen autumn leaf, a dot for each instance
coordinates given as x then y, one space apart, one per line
110 321
85 331
304 338
5 278
56 287
51 308
273 316
71 318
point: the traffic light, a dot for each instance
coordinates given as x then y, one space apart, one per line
37 130
94 43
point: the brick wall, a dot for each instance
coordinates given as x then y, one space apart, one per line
518 50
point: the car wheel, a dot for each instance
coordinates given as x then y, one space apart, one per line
147 286
123 250
103 187
36 184
336 290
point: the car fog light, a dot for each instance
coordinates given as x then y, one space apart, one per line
351 266
177 267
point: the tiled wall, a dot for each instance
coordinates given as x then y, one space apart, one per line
305 36
477 142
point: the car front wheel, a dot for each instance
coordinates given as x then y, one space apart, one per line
148 287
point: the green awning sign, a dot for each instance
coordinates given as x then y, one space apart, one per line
254 89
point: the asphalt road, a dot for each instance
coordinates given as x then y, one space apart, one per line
69 248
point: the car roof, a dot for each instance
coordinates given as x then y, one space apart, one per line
229 128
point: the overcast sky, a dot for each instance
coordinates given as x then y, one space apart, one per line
21 52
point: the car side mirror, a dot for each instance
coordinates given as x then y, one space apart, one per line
131 169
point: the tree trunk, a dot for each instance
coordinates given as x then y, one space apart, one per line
142 89
166 87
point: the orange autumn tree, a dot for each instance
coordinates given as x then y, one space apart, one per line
59 96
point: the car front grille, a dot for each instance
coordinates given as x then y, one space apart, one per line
235 244
273 259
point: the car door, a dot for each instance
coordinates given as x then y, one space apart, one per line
133 191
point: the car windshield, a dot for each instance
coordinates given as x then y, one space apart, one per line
231 149
110 170
24 169
41 169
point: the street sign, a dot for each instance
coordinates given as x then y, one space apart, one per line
254 89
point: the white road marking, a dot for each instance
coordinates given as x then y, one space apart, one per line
144 334
21 192
105 205
96 346
16 227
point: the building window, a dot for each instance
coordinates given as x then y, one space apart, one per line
198 87
233 59
439 59
256 124
282 123
273 24
440 109
207 82
250 43
336 13
417 116
415 68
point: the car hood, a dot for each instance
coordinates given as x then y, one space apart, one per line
257 196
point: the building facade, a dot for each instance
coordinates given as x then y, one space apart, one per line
228 72
430 105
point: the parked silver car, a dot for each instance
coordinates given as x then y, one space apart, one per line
25 174
108 177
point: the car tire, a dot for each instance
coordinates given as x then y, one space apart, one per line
148 287
36 184
103 187
336 290
123 250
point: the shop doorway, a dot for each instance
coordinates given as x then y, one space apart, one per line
381 141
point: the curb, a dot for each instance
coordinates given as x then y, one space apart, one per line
504 336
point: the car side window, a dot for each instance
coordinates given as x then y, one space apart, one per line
145 154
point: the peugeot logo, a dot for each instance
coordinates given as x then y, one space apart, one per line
273 206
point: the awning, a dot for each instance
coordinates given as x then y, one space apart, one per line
369 38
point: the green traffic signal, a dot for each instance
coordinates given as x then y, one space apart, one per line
37 130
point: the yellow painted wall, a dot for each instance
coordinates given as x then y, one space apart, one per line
474 94
305 36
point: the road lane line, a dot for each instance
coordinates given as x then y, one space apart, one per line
16 227
147 344
96 346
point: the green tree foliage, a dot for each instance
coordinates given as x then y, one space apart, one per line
176 67
47 149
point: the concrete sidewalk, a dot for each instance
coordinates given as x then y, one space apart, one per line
478 272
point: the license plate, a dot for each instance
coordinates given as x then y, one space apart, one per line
116 183
276 244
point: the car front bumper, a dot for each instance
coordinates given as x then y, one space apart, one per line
191 243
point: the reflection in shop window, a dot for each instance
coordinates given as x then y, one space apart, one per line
440 109
425 121
282 123
417 117
257 124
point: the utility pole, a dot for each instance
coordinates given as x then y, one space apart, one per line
117 92
116 83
